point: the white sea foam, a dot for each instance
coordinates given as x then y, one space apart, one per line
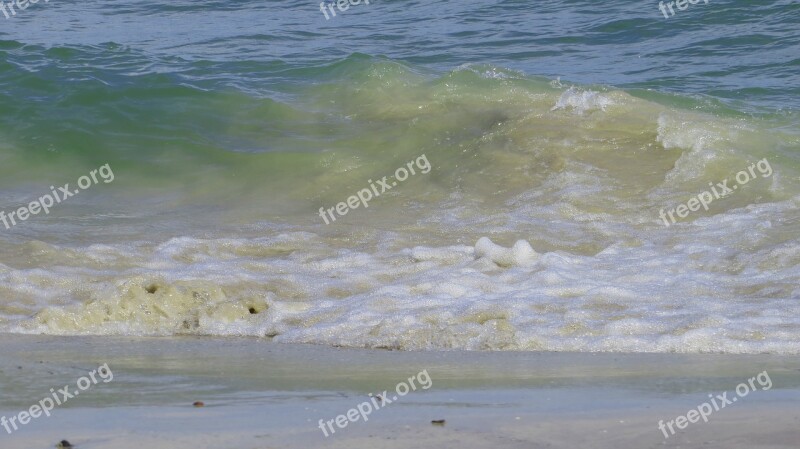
662 295
581 101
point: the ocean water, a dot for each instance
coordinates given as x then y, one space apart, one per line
550 142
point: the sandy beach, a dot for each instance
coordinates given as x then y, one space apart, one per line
263 395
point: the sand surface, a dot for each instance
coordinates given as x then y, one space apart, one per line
263 395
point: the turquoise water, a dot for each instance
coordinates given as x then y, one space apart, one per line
563 131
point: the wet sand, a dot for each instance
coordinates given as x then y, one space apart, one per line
263 395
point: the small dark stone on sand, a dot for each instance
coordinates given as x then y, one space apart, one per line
199 404
64 444
438 422
152 289
253 311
